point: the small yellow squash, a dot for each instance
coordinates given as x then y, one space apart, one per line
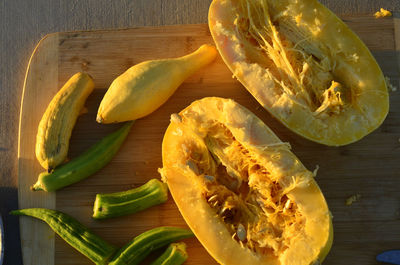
245 195
55 127
302 64
146 86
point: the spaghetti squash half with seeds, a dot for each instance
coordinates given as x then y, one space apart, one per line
244 194
302 64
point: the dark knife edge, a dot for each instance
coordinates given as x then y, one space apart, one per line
12 239
1 240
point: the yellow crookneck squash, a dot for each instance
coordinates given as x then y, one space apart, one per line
303 65
245 195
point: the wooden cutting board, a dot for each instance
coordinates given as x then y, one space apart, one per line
370 167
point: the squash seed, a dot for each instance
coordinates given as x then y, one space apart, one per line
193 167
241 232
209 178
213 197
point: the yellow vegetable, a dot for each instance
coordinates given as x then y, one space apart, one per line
302 64
55 127
244 194
146 86
383 13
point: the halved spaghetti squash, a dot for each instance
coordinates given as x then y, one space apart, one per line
302 64
245 195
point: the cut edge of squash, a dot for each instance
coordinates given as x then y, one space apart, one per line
203 221
376 97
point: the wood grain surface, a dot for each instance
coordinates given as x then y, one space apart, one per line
369 167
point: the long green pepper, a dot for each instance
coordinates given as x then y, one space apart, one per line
74 233
136 250
131 201
91 161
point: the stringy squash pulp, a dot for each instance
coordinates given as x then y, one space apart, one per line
303 65
244 194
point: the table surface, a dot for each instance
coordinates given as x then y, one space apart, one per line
24 23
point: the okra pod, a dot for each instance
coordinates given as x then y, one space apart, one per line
131 201
91 161
136 250
175 254
74 233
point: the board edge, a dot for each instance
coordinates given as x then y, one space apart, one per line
46 246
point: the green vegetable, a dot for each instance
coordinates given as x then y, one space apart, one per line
91 161
74 233
174 255
131 201
136 250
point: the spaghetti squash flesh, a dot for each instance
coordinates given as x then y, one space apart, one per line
227 170
242 192
303 65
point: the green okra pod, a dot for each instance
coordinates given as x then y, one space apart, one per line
175 254
91 161
136 250
74 233
131 201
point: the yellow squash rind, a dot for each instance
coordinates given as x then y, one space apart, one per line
146 86
55 127
311 30
189 130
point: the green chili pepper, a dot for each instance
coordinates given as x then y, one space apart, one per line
74 233
136 250
174 255
91 161
131 201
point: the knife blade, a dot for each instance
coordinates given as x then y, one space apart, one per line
390 256
12 243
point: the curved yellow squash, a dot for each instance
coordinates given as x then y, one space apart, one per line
303 65
146 86
245 195
55 127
